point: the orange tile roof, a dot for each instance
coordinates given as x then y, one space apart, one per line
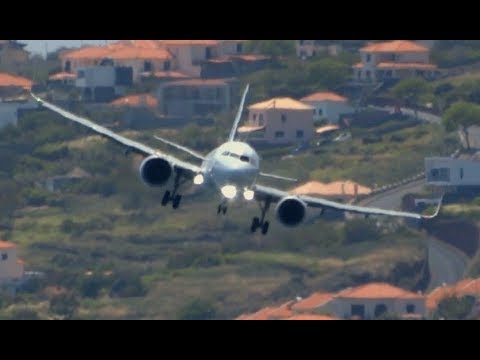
206 82
312 302
312 317
6 245
324 96
150 44
326 128
280 103
87 52
282 312
14 80
127 53
62 76
170 74
189 42
331 189
395 46
460 289
250 57
400 66
378 291
145 100
358 65
249 129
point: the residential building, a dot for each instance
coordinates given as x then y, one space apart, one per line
279 121
373 300
11 267
195 97
233 65
452 173
394 60
62 79
102 83
309 48
12 55
369 301
328 105
14 98
137 111
57 183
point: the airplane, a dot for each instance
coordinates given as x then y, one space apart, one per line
232 168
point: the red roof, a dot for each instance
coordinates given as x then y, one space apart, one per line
14 80
62 76
312 317
378 291
120 51
199 82
312 302
324 96
395 46
6 245
87 52
189 42
462 288
169 74
127 53
145 100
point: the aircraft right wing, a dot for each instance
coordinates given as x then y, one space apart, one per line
130 144
275 195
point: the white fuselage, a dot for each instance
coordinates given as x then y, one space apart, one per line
233 164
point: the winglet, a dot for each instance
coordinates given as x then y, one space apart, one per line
437 211
37 99
239 115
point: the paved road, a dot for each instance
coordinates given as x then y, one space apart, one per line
428 117
446 264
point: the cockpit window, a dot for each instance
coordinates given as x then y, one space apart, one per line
225 153
244 158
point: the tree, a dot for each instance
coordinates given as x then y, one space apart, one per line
64 305
359 230
197 309
410 90
273 48
454 308
462 115
328 73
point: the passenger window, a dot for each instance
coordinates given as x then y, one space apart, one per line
245 159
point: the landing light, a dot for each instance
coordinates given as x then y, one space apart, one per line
229 191
198 180
248 195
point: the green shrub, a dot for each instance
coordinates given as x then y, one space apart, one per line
197 309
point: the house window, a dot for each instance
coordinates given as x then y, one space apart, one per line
461 173
284 118
367 73
279 134
208 53
4 256
410 308
166 65
358 310
68 66
147 66
440 174
380 309
369 58
320 112
254 117
260 119
239 48
299 134
80 74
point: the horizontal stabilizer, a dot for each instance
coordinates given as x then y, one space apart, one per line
278 177
180 147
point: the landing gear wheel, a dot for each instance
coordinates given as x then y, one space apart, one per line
265 227
176 201
166 198
255 224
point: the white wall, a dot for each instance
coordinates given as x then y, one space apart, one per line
10 268
462 172
330 110
9 111
97 76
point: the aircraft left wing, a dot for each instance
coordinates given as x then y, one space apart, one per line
275 195
129 144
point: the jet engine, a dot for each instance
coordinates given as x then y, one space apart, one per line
291 211
155 171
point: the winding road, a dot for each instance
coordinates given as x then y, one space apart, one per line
447 265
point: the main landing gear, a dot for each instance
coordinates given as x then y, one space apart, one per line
260 223
222 208
172 195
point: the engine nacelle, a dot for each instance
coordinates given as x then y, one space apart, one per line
155 171
291 211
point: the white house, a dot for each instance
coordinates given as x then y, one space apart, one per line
447 171
11 268
328 105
